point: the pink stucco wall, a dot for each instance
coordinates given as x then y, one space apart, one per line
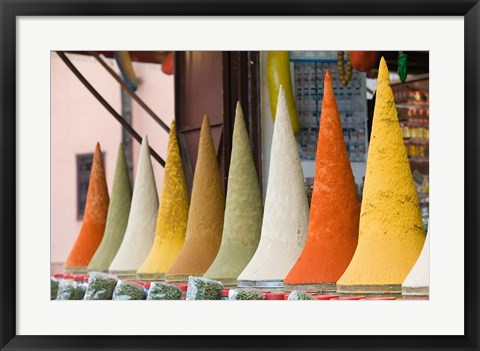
78 121
156 90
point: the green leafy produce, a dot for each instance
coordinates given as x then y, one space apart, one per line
53 288
299 295
247 294
164 291
69 290
100 286
128 291
204 289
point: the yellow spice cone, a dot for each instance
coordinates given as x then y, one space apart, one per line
205 216
172 216
391 232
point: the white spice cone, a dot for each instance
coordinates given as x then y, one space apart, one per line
140 232
418 280
285 220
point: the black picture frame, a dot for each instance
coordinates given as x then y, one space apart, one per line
9 10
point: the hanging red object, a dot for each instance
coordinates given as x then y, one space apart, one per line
167 64
363 61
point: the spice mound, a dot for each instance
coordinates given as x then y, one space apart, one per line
204 289
100 286
299 295
247 294
126 290
164 291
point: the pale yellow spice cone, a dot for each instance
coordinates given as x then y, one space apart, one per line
391 232
172 216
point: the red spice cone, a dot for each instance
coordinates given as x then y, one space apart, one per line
94 218
335 211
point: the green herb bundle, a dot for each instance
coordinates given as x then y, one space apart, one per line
128 291
204 289
100 286
69 290
164 291
53 288
299 295
247 294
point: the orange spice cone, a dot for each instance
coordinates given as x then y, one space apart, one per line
334 210
172 216
94 218
243 211
205 216
138 238
391 233
285 218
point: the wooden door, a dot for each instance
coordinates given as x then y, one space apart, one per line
211 82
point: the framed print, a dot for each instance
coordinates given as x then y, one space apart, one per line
262 156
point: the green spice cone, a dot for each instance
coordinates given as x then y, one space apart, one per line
140 231
117 217
243 213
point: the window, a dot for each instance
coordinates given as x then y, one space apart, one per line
84 166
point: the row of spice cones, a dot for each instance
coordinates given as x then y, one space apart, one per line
280 244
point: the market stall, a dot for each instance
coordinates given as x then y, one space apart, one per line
297 175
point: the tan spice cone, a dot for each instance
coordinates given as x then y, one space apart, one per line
205 216
172 216
94 218
391 232
334 210
243 211
140 232
285 219
117 218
